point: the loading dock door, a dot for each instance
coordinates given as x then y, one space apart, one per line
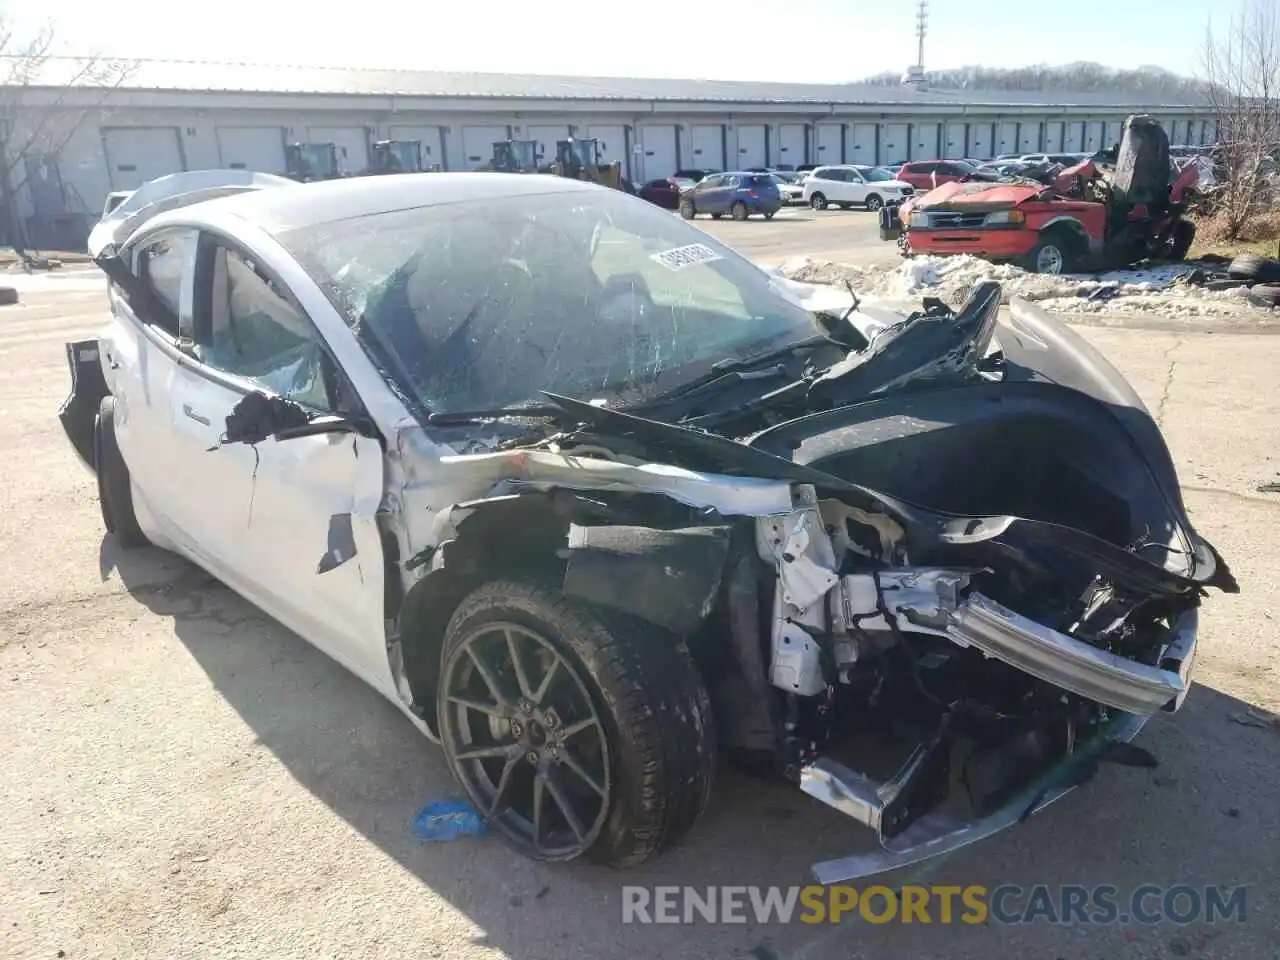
477 146
546 138
137 155
251 148
894 147
429 137
707 140
1177 131
1006 138
791 144
613 145
953 146
1115 130
1072 141
828 143
1053 137
924 141
752 144
980 141
660 155
862 144
1029 137
352 144
1093 133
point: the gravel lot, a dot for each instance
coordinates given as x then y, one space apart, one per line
183 778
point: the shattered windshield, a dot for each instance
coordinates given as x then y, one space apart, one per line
483 304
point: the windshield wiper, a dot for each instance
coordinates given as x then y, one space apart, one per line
733 370
454 418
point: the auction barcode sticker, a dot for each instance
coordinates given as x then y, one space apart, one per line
677 258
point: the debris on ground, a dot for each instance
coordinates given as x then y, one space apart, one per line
1179 289
1256 718
443 820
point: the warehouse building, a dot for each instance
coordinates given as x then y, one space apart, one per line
173 116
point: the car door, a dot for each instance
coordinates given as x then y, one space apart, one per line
704 194
141 357
854 188
302 511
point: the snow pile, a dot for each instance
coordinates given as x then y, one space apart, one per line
951 278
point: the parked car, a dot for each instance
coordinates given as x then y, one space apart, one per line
846 185
692 175
437 426
737 194
664 193
789 186
927 174
806 167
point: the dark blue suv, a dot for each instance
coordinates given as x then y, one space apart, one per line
737 194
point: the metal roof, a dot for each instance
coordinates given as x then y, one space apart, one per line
188 76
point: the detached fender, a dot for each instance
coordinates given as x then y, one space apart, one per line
79 411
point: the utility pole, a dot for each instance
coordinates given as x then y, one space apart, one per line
922 24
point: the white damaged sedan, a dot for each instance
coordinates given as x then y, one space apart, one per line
593 499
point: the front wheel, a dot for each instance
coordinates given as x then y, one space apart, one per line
115 487
686 209
874 203
1049 256
571 730
739 211
818 201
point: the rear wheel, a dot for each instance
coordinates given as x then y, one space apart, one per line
115 489
768 216
818 201
686 209
739 211
572 731
874 203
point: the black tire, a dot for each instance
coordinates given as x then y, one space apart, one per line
687 210
1250 266
716 216
768 216
818 201
1053 254
1184 234
8 296
1264 295
645 688
739 211
115 491
874 203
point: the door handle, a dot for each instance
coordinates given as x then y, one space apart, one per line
186 409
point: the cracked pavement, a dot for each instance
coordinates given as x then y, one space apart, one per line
184 778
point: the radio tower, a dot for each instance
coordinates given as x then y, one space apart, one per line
922 27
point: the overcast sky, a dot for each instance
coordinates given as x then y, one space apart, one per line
658 39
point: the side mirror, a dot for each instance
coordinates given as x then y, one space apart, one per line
258 417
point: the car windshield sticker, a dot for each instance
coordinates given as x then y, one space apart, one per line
677 258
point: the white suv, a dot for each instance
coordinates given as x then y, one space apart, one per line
846 185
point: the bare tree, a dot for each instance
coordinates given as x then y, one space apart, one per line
1242 84
44 99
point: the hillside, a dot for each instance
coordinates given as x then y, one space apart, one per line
1072 77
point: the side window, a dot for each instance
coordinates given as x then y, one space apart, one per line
733 182
840 176
253 331
707 183
160 265
925 168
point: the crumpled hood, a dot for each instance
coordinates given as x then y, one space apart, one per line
978 194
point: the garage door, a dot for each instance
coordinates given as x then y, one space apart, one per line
707 140
477 146
613 145
791 145
862 144
953 145
1072 137
352 144
429 137
137 155
980 141
1029 137
1093 134
1115 130
924 141
1006 138
659 155
251 148
1053 137
828 143
546 136
752 146
1209 132
894 147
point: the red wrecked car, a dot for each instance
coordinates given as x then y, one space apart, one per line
1093 215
